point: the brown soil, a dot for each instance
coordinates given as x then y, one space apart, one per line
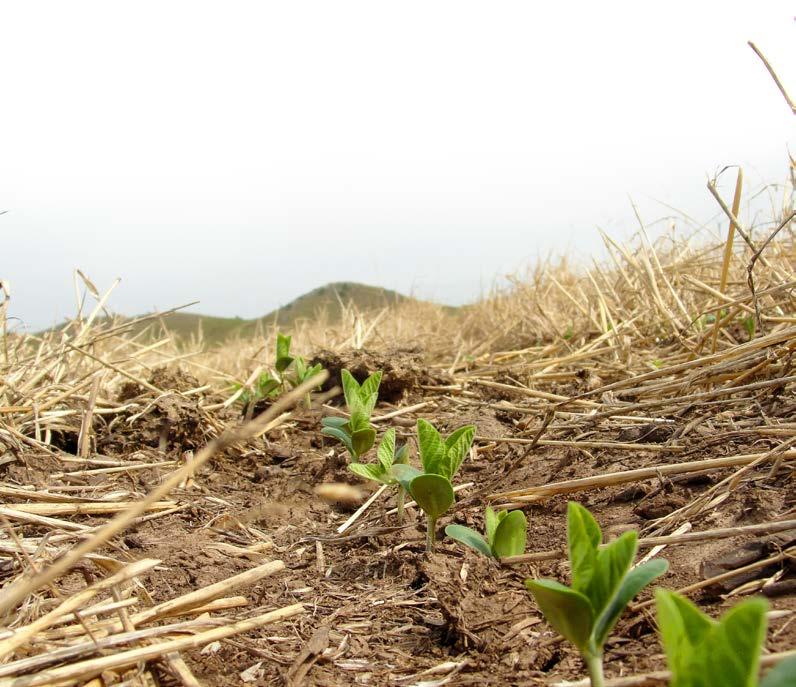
379 609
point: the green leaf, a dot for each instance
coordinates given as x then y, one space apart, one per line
432 450
332 421
732 649
350 389
632 584
386 452
568 611
341 435
491 520
359 420
362 440
433 493
404 474
509 538
457 445
369 471
402 454
314 370
265 387
613 561
368 403
283 358
371 385
469 537
782 675
682 627
301 367
583 538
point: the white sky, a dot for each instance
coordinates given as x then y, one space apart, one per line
242 153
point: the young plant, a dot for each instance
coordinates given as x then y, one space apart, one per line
701 652
356 433
505 534
301 373
603 583
283 357
382 471
441 458
265 386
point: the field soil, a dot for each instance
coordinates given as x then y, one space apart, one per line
377 609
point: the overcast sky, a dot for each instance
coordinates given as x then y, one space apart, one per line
242 153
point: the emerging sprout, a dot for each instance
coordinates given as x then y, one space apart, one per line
602 586
356 433
382 471
701 651
432 489
505 534
268 383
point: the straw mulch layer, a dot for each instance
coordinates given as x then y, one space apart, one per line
149 536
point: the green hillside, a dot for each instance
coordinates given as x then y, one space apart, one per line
326 298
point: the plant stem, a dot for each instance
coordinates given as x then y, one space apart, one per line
431 534
595 665
399 504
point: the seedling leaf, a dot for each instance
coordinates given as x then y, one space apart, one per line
283 357
567 610
612 563
386 452
433 493
341 435
457 445
362 440
632 584
583 538
370 386
432 449
350 388
735 644
702 652
469 537
338 422
405 474
509 537
491 521
782 675
369 471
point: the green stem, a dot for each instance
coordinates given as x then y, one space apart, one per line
595 665
431 534
399 505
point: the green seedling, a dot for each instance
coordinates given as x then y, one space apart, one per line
382 471
283 357
603 583
702 652
505 534
265 386
749 326
432 489
268 385
356 433
302 373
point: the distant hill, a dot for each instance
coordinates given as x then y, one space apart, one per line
330 299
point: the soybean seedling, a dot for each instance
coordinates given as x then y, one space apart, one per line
702 652
301 373
603 583
505 534
432 489
382 471
356 433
